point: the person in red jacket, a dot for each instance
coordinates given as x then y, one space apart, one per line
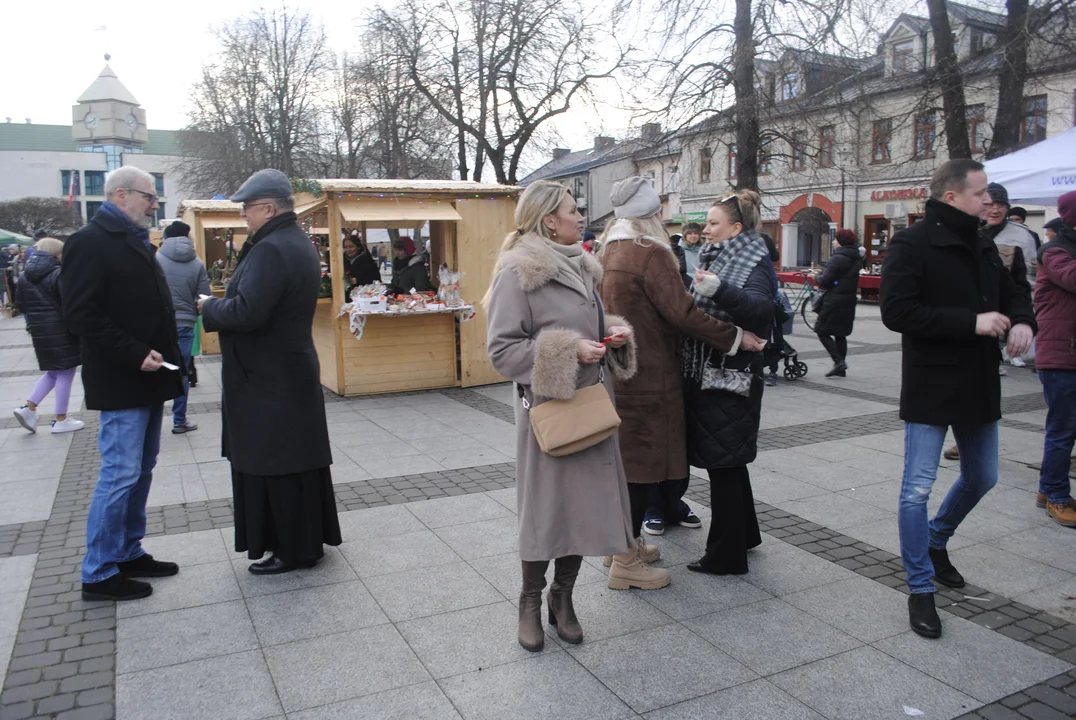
1055 309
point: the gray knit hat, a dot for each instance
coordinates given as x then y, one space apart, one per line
634 197
998 194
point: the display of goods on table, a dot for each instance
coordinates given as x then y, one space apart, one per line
373 299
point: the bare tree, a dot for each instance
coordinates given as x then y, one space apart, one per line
498 70
951 80
255 105
30 214
1011 76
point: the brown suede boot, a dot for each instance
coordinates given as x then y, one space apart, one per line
647 553
1063 513
628 571
531 636
559 599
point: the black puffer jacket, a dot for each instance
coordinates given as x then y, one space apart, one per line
38 297
840 280
722 428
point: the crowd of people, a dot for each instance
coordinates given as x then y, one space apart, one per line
668 338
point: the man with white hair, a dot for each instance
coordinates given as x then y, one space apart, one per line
117 301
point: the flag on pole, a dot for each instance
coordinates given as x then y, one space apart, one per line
71 188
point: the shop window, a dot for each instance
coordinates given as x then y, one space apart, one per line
95 183
705 164
733 167
980 42
827 138
765 157
158 184
1033 125
65 182
926 126
904 56
92 206
799 149
790 86
881 137
976 117
161 212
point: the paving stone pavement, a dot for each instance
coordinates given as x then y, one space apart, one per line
413 616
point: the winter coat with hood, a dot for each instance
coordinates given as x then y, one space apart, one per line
538 311
186 276
642 284
840 280
38 298
410 273
1055 303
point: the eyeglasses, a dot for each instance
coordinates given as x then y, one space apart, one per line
248 206
149 196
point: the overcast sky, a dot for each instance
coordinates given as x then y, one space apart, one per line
54 50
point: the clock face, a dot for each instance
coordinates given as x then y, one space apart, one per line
132 121
90 121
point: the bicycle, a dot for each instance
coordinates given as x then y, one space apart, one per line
804 299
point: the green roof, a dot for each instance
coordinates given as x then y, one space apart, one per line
57 138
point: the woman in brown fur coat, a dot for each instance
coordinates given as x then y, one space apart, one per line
543 334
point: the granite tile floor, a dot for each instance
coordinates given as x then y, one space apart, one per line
414 615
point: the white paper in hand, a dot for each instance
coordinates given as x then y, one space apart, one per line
169 366
205 297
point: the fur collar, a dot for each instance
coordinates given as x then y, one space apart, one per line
534 263
622 230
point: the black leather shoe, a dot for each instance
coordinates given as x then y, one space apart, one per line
838 369
273 565
705 569
116 588
944 572
146 566
923 616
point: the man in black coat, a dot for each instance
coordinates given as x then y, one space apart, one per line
945 289
274 432
116 300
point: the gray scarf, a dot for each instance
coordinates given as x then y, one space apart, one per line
569 260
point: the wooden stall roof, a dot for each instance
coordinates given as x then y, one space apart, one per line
447 187
395 209
233 221
210 206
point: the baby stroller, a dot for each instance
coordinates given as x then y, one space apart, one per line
779 349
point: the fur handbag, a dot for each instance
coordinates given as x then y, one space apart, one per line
565 427
737 382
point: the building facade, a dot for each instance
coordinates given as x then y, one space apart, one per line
108 130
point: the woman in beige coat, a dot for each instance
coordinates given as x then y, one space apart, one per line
543 334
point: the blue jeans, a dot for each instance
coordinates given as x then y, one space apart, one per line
128 442
978 445
179 405
1059 387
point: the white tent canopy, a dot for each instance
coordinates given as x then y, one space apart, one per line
1039 174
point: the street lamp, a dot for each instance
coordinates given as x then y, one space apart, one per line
843 153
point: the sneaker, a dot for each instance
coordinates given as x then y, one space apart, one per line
952 453
66 425
771 379
1017 362
1001 370
116 588
654 526
186 427
146 566
691 520
27 418
1063 514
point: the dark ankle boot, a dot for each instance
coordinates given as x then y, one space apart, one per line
531 636
944 572
923 616
561 611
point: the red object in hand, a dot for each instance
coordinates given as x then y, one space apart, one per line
607 339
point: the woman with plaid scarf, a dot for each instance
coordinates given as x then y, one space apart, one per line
734 282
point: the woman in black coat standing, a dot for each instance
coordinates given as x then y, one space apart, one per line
360 268
840 281
57 350
734 282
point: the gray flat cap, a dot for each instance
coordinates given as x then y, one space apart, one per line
263 184
634 197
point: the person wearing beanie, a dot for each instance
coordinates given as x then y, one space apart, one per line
692 246
1015 242
1055 359
641 285
589 243
839 282
187 279
409 271
1052 227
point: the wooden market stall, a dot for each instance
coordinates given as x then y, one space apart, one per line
466 224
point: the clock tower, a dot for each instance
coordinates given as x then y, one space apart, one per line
108 118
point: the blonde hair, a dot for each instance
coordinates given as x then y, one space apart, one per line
644 230
49 245
541 198
742 207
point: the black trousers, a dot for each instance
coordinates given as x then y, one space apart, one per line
772 351
733 527
665 501
639 495
835 345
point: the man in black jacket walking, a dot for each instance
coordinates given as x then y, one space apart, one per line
116 300
945 289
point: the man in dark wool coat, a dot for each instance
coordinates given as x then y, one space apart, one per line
274 432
